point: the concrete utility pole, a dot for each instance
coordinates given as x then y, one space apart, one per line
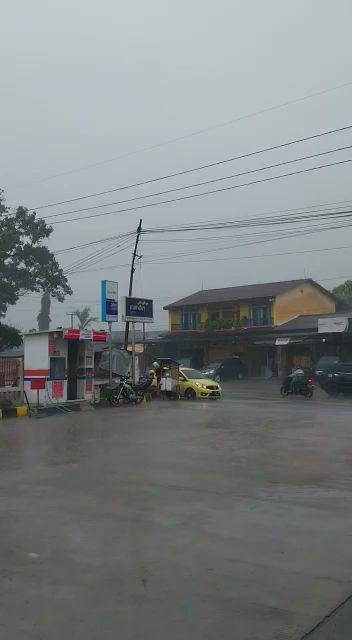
72 314
134 255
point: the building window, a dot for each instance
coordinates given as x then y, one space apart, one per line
259 315
215 315
190 320
233 314
228 314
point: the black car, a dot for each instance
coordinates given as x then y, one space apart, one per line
338 379
228 369
324 366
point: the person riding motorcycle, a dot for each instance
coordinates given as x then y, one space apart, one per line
297 378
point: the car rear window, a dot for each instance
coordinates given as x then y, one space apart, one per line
193 374
344 367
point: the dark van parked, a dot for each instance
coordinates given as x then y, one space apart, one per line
324 366
228 369
338 379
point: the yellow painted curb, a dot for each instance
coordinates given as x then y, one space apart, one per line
22 411
14 412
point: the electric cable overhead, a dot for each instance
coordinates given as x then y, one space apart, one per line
205 193
199 168
88 244
265 255
283 234
112 249
202 183
319 207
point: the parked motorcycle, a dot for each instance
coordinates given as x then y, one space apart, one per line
303 387
128 392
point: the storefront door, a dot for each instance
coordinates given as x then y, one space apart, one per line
72 370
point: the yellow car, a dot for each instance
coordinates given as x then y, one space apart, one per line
195 385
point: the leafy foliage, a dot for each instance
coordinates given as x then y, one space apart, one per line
25 263
343 294
9 337
84 317
220 323
43 317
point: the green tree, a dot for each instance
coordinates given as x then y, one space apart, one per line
84 317
26 264
9 337
43 317
343 295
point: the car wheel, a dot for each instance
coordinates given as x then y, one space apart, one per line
332 389
190 394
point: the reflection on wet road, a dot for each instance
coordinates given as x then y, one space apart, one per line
176 520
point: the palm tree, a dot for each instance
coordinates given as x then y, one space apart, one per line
84 317
43 317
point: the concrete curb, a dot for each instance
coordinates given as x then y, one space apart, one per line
14 412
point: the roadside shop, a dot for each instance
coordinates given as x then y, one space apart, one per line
59 365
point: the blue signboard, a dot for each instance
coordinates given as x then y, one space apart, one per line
109 301
138 310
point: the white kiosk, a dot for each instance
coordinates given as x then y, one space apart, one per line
59 365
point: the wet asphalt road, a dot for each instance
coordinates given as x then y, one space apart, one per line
177 521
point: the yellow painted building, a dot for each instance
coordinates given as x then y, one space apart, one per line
256 305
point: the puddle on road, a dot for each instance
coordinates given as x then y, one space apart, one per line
47 444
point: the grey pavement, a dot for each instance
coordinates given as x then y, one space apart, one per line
176 520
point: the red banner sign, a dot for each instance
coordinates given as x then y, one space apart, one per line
57 388
51 344
37 383
92 336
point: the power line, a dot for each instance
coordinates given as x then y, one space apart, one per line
318 228
298 232
265 255
199 168
318 214
204 193
204 182
281 235
88 244
101 254
173 228
284 235
200 131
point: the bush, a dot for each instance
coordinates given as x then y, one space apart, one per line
216 325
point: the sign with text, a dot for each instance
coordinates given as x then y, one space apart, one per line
57 389
37 383
109 301
138 310
94 336
332 325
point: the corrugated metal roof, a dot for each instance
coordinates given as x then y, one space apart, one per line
310 322
242 292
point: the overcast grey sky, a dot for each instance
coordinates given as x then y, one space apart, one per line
87 81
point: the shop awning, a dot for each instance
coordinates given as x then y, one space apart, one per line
92 336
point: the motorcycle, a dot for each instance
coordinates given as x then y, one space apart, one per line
298 388
128 392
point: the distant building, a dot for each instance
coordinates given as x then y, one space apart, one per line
254 305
